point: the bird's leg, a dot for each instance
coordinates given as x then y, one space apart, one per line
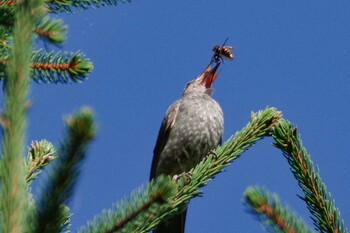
187 179
213 153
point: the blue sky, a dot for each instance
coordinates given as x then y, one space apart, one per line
294 56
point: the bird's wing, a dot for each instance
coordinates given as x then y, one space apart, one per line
163 134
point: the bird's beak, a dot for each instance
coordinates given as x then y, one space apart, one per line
208 76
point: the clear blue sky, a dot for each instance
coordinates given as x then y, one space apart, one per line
294 56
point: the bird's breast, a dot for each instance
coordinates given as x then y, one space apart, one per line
197 129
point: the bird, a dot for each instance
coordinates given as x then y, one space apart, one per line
192 127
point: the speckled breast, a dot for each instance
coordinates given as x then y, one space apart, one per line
197 130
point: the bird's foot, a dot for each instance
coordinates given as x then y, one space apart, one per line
213 153
187 179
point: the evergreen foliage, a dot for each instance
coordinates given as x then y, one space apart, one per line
258 127
15 209
134 214
62 176
326 216
59 67
275 216
67 5
40 154
52 30
7 14
45 67
56 67
188 188
23 21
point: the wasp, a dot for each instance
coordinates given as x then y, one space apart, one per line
222 52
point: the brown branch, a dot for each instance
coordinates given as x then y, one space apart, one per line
275 217
316 196
7 3
46 66
157 197
43 33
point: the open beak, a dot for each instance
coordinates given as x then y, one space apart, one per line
208 76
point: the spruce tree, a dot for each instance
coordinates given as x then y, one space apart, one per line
23 21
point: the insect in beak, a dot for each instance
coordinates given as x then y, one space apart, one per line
222 52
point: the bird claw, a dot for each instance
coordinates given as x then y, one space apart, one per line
187 180
213 153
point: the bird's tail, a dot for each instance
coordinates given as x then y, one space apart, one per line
175 224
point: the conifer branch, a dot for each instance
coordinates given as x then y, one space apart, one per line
269 210
8 8
7 3
60 67
58 188
131 214
14 201
52 30
40 154
326 216
7 13
64 217
5 48
67 5
259 126
56 67
5 34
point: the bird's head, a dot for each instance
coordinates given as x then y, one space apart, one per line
202 84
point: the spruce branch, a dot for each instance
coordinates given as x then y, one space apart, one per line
136 214
40 154
56 67
14 201
7 2
131 214
7 13
51 30
326 216
60 67
5 37
5 34
58 188
274 215
67 5
259 126
8 9
64 217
